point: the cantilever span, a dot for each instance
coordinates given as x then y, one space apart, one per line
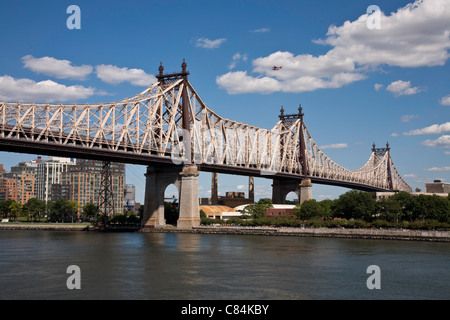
168 124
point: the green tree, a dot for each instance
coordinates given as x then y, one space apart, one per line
297 209
310 209
355 205
15 209
34 208
389 210
327 208
433 207
90 210
258 209
406 202
4 208
63 210
72 209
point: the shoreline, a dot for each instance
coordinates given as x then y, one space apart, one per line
379 234
46 226
374 234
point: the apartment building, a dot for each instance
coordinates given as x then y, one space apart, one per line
81 182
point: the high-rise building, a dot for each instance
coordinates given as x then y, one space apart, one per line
8 188
48 173
81 182
25 175
129 198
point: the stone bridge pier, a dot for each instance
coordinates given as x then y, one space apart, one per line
185 178
281 188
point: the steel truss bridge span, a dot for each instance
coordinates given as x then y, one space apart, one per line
168 124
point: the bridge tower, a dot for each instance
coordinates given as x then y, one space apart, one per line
379 153
184 177
303 187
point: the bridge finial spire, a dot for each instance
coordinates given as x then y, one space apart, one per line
282 111
300 110
161 69
183 66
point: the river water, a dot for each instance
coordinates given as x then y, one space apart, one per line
166 266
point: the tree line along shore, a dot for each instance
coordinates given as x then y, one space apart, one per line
353 209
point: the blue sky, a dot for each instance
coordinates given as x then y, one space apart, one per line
357 85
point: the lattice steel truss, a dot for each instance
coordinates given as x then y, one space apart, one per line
151 123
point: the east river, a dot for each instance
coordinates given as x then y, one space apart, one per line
150 266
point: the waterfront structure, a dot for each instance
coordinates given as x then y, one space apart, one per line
220 212
231 198
48 173
437 186
279 210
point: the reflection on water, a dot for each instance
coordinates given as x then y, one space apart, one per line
33 265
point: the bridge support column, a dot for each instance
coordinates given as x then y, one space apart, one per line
305 190
186 181
189 205
157 180
281 188
251 189
214 191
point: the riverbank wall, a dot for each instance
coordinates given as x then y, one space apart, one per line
417 235
381 234
45 226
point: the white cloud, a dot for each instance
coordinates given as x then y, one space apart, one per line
408 117
334 146
260 30
209 44
239 82
433 129
416 35
299 73
394 134
61 69
377 86
115 75
438 169
27 90
402 88
445 101
302 65
237 56
446 152
441 142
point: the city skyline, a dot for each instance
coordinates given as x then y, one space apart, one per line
52 178
357 84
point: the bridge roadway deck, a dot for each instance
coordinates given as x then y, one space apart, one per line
74 151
